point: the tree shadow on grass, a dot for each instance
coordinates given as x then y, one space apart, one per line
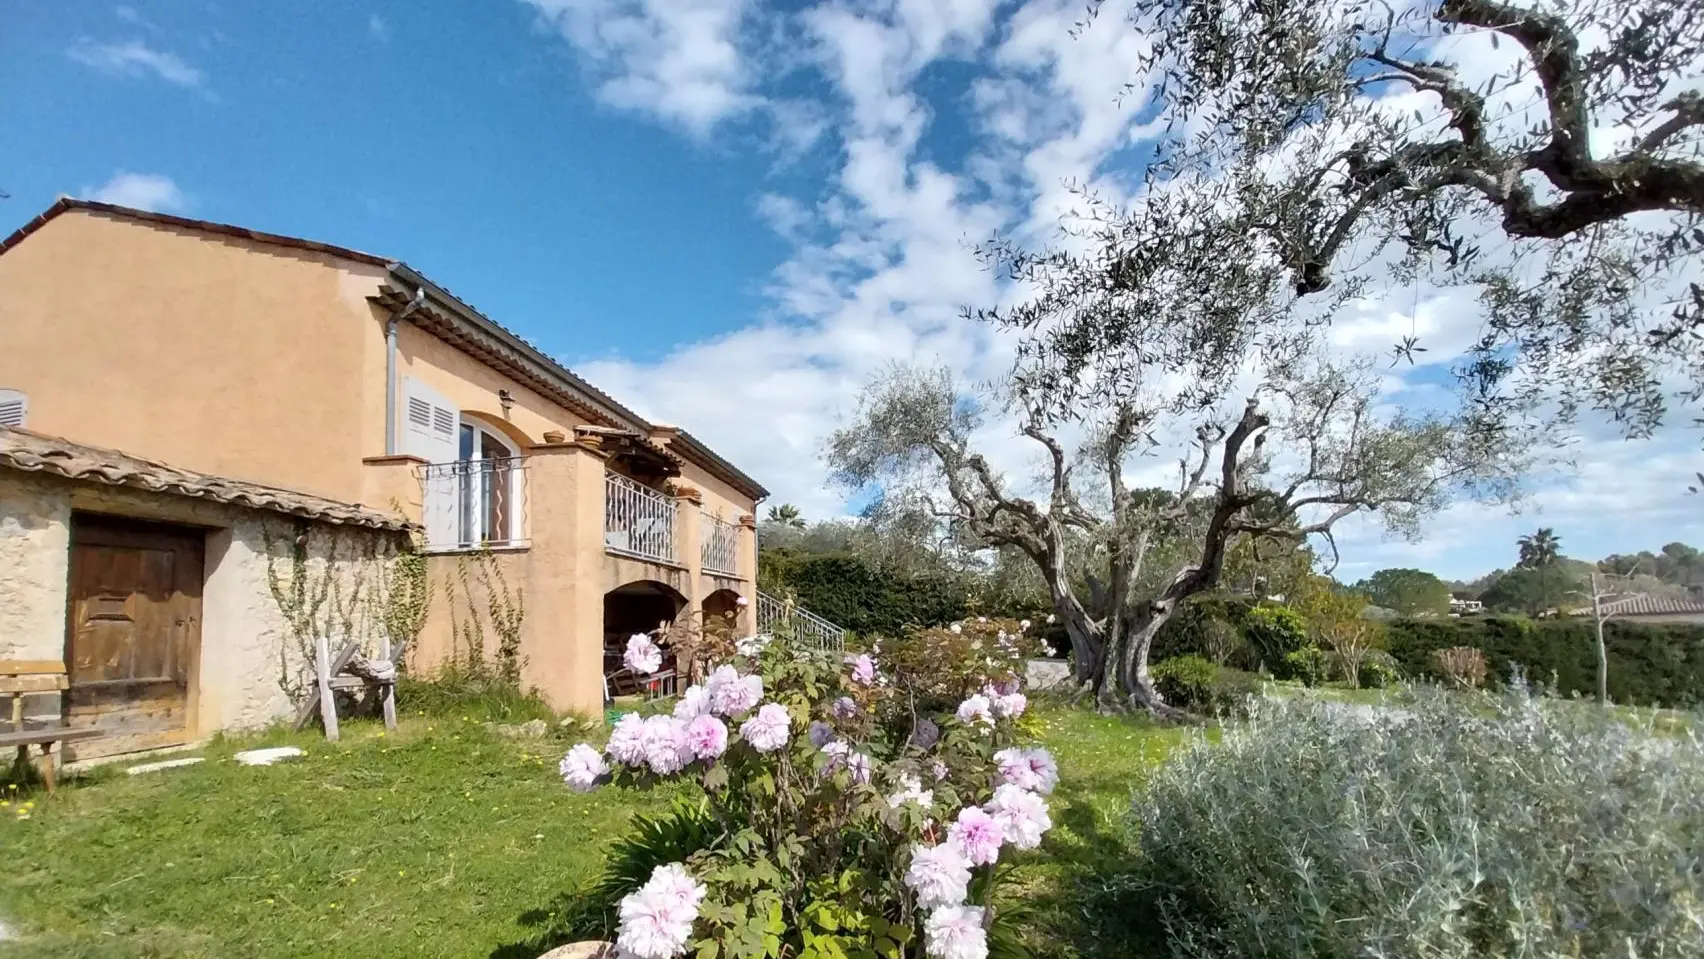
572 916
1097 905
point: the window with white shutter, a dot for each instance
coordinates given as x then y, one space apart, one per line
430 431
429 423
14 407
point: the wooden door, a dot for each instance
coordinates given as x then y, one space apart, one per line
133 632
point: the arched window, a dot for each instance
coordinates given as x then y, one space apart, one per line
491 488
14 408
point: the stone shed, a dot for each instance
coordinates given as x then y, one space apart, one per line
183 604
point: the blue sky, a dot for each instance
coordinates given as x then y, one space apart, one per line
729 213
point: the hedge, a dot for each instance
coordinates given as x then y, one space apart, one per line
1649 663
854 594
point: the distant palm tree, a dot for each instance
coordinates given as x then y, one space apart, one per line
787 515
1540 549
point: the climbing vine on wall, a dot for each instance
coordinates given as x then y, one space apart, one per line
494 603
343 586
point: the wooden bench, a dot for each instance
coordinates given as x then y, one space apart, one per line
22 678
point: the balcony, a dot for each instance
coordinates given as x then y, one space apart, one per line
474 504
719 545
638 521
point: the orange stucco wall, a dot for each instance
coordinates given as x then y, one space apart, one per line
267 363
213 353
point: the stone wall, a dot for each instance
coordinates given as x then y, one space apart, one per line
254 655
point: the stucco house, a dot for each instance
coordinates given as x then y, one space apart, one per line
552 518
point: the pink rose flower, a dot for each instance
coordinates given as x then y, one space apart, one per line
955 932
664 738
642 656
732 694
706 736
978 836
627 740
1022 816
863 669
582 768
767 731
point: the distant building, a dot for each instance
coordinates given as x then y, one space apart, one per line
1465 607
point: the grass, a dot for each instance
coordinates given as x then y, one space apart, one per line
1101 760
438 840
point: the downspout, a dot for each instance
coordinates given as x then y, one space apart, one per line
416 303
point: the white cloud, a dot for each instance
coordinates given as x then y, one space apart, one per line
677 59
785 215
377 28
145 191
882 262
129 15
134 59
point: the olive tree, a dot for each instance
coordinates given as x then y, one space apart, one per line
1546 153
1310 446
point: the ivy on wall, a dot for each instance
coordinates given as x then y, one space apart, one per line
343 585
494 604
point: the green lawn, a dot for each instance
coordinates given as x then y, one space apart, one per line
437 840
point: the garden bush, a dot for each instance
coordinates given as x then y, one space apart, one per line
837 831
1204 625
1199 685
1379 670
1274 632
855 594
479 693
1310 664
1649 664
932 670
1465 825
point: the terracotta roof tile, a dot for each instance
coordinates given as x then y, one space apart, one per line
599 404
32 452
1644 604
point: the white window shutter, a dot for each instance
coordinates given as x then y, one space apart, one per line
431 428
430 423
14 408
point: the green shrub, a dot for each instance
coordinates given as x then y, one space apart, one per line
857 595
1463 825
478 693
1649 664
1204 624
1184 680
1274 632
1380 670
1197 684
1310 664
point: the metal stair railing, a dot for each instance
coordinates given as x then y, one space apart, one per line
776 613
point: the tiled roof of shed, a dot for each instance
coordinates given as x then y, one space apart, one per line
1645 604
33 452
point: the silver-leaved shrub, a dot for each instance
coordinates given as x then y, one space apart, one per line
1461 825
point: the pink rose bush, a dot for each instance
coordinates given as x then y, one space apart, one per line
835 810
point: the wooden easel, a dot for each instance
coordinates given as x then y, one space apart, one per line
350 670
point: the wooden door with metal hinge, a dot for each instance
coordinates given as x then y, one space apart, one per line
133 632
